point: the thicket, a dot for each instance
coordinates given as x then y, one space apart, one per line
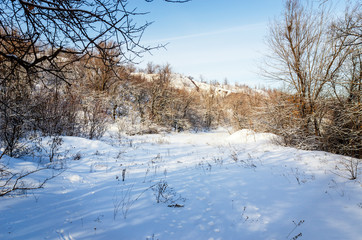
60 67
319 59
47 106
148 103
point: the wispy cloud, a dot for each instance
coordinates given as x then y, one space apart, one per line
210 33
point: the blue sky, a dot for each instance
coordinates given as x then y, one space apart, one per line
210 38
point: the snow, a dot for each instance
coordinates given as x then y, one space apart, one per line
180 81
218 186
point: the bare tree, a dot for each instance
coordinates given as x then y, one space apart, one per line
319 59
152 68
37 32
306 58
160 94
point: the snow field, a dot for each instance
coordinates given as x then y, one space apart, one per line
209 186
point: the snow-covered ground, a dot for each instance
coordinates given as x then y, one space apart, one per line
186 186
180 81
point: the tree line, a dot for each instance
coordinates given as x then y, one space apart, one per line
74 81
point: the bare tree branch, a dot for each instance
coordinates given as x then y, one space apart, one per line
11 182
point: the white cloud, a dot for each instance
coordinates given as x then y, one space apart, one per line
210 33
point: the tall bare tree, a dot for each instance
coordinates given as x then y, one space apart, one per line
305 57
318 56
